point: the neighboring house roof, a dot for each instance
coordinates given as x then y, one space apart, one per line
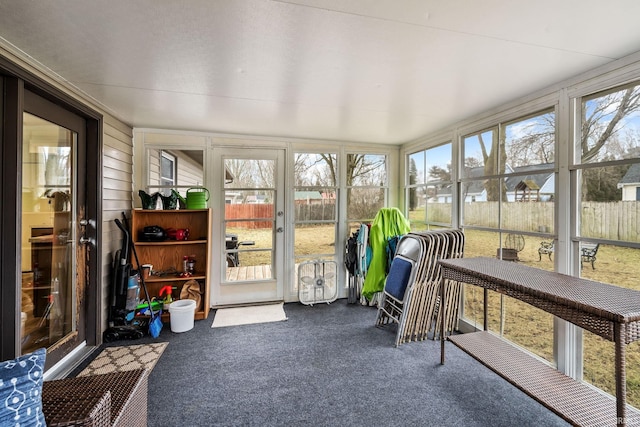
538 179
632 176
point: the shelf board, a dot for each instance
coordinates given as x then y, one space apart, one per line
173 279
171 243
572 400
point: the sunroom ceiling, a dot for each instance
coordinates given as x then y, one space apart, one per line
377 71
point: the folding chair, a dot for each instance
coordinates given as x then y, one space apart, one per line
398 284
417 311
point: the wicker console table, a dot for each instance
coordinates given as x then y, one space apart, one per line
608 311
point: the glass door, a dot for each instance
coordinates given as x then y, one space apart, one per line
53 261
253 227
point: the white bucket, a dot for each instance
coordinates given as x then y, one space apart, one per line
182 314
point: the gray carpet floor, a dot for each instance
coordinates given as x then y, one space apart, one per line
327 365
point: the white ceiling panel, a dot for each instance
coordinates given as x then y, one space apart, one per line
357 70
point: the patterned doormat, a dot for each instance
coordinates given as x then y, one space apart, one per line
125 358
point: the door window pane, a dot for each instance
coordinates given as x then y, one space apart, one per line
48 237
249 219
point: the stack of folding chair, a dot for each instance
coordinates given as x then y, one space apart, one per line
411 293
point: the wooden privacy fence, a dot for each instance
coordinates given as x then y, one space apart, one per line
603 220
249 211
302 211
611 220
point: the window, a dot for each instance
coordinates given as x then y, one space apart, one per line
507 192
430 188
315 204
607 172
366 179
167 171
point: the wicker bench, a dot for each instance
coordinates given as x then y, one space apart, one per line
115 399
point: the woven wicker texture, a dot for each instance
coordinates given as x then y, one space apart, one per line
63 409
576 402
606 301
127 391
609 311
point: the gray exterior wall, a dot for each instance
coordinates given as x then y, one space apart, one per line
117 182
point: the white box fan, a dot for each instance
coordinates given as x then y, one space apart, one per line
317 282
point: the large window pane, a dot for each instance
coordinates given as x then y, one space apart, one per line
366 170
522 324
316 210
417 214
516 321
315 204
527 208
477 210
364 203
439 163
366 186
315 169
315 241
609 207
477 243
530 141
610 126
417 168
508 184
439 192
481 153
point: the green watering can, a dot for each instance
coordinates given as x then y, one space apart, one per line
197 198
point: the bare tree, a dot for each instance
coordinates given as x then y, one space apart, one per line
604 119
300 167
241 171
535 143
494 163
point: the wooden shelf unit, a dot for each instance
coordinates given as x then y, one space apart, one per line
168 254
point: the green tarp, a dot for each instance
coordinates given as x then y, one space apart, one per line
389 222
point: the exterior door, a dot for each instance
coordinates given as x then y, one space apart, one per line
53 261
252 225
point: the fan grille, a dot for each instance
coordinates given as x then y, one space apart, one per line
317 282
